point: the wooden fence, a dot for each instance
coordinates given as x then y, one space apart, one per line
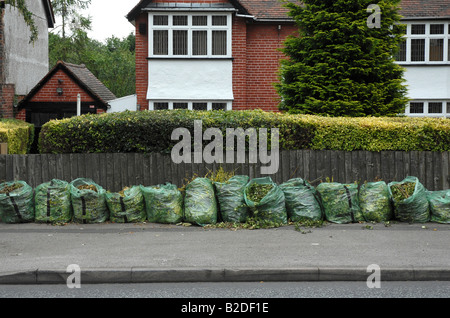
114 171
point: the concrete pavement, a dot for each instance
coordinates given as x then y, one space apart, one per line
147 252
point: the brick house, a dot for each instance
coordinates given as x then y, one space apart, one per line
208 54
22 64
223 54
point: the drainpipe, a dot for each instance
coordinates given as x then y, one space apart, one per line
79 105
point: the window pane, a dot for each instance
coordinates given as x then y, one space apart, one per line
160 20
219 106
418 29
180 42
417 49
180 105
180 20
448 53
160 42
436 49
199 42
435 108
219 43
401 54
199 20
436 29
219 20
199 106
160 106
416 108
448 108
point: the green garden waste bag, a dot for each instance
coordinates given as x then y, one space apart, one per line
126 206
88 202
230 198
266 200
340 202
439 205
16 202
200 206
375 202
410 200
52 203
302 200
163 203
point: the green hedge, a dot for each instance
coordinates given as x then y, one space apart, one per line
19 135
150 131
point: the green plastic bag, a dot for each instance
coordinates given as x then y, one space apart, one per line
16 204
89 205
52 202
439 205
375 202
302 200
230 197
126 208
340 202
271 207
200 206
413 208
163 203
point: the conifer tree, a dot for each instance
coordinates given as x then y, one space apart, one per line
341 63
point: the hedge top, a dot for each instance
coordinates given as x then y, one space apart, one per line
150 131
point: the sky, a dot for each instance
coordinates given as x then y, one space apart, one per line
108 18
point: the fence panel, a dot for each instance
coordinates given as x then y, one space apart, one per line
115 171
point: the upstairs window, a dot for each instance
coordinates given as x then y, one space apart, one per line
427 43
190 35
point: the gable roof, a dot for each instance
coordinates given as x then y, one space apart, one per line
82 76
274 9
425 8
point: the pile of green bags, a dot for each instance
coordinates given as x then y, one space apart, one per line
235 200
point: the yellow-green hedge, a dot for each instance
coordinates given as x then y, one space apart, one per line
150 131
17 134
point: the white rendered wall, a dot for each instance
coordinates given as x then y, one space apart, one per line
27 63
180 79
428 82
122 104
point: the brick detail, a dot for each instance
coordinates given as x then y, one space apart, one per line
70 88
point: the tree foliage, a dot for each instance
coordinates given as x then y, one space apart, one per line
111 62
337 65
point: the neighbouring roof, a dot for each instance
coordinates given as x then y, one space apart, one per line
425 8
274 9
82 76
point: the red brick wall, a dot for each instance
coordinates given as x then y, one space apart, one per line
142 63
70 90
263 62
7 92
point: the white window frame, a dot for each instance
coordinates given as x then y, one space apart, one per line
190 28
425 113
229 104
427 37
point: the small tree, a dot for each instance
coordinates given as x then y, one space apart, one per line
339 64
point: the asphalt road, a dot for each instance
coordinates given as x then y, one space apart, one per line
243 290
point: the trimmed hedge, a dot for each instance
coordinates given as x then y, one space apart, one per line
150 131
19 135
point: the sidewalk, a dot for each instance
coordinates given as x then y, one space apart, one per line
145 252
